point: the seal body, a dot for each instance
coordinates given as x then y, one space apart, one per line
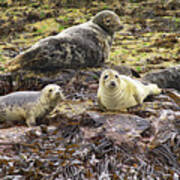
119 92
84 45
29 105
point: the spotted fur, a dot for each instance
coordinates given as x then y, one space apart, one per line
84 45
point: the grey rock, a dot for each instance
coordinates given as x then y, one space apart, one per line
166 78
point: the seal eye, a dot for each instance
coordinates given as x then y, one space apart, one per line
50 90
116 76
106 76
108 21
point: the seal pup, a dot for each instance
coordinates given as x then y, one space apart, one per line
29 105
119 92
84 45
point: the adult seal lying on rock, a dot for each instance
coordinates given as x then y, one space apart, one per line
84 45
29 105
119 92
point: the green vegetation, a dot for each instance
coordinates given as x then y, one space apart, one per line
24 23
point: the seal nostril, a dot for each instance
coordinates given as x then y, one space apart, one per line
113 83
121 27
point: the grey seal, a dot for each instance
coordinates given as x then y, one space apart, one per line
84 45
29 105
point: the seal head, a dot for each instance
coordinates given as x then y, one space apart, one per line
108 21
52 92
110 79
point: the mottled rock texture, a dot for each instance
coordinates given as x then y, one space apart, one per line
166 78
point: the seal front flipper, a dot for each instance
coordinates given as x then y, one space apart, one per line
138 99
31 121
101 106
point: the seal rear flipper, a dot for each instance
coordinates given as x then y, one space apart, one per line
154 89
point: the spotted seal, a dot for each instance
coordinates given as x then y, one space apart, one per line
29 105
119 92
84 45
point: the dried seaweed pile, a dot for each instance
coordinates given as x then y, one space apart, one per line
143 143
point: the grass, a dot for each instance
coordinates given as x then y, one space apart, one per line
60 28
